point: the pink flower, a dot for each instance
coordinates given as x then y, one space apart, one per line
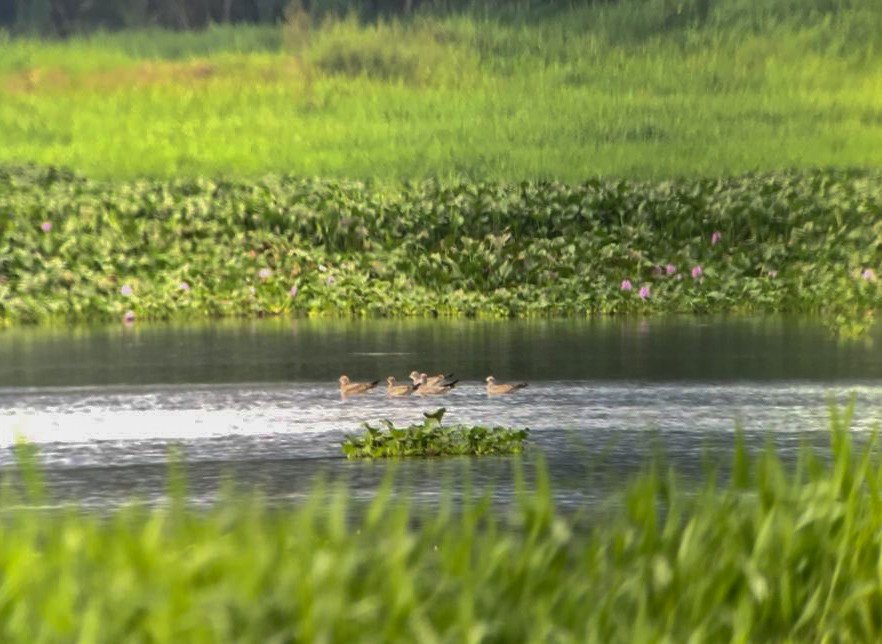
184 286
125 290
293 291
626 285
869 275
670 269
46 226
716 237
773 274
697 272
264 273
129 316
644 293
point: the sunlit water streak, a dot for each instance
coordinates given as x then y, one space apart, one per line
101 445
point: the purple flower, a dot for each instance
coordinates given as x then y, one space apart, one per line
184 286
626 285
46 226
125 290
293 291
644 293
716 237
129 316
670 269
264 273
773 274
869 275
697 272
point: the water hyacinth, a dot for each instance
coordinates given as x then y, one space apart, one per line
515 281
293 291
773 274
716 237
644 293
184 286
126 290
46 226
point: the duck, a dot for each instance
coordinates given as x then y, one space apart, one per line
506 388
395 389
438 379
429 389
348 388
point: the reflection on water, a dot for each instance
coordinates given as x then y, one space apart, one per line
258 401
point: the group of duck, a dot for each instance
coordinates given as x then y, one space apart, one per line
423 385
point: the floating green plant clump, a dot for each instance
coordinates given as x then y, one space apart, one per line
431 438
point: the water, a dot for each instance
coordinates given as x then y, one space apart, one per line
258 402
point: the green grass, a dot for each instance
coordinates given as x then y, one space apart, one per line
772 552
627 90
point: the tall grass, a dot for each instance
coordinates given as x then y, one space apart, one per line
774 552
628 89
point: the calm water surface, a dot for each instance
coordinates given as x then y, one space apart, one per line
259 401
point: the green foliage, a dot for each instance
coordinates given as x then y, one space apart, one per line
633 89
797 242
432 439
782 552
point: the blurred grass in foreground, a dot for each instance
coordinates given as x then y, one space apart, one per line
628 89
771 552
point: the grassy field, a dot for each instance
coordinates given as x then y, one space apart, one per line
772 552
629 89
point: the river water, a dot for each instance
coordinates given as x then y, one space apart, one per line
258 401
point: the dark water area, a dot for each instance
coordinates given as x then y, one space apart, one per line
258 401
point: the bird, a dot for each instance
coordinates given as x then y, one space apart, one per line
494 389
394 389
439 379
427 389
348 388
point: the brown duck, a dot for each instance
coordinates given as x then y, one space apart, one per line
439 379
429 389
348 388
494 389
394 389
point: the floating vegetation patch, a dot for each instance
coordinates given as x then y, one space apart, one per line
431 438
